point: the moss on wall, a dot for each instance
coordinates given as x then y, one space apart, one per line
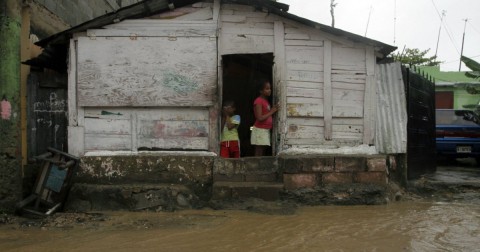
10 155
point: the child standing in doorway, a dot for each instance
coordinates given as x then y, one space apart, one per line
230 144
263 118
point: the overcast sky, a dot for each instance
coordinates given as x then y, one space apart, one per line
416 26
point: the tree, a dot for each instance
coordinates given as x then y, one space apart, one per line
415 57
474 66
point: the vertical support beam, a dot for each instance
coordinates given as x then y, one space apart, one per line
370 98
279 84
133 125
76 134
24 71
10 109
327 89
213 112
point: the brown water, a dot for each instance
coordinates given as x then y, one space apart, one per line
407 226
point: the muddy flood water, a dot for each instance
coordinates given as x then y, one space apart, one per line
401 226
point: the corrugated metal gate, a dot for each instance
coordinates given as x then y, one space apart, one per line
421 123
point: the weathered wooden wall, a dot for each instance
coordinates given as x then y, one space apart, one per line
159 80
147 84
324 83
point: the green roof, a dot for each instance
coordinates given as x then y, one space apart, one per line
450 77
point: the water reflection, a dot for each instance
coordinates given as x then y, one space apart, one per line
406 226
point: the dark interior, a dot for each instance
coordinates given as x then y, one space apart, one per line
241 72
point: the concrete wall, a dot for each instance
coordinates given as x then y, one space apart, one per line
10 155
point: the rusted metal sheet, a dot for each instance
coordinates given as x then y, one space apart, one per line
391 122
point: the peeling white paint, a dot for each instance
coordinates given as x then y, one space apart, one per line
149 153
361 150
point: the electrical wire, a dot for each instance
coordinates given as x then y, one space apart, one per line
446 28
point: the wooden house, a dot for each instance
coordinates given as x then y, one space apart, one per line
158 82
153 77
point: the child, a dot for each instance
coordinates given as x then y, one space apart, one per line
263 118
230 146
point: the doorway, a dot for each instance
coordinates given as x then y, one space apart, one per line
241 73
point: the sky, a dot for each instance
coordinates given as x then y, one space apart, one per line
405 23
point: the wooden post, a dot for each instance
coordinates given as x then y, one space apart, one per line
279 84
370 97
327 89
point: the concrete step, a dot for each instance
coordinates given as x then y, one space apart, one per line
131 197
268 191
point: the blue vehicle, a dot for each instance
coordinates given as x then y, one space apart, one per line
457 134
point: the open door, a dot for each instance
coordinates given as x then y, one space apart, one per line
241 72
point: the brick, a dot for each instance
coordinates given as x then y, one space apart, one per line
292 165
296 181
272 177
377 164
337 178
320 164
371 178
261 165
269 193
349 164
229 178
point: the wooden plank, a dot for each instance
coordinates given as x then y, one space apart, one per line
81 116
304 55
107 126
347 95
303 131
280 85
348 56
177 143
216 11
247 44
202 14
305 67
312 121
307 110
247 31
146 72
232 18
358 129
304 92
76 140
347 121
251 14
313 43
168 32
303 100
327 89
133 125
352 79
173 114
72 84
109 113
250 25
297 36
305 84
370 97
166 129
307 76
342 85
238 7
107 142
347 111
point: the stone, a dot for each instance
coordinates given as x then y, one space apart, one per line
371 177
377 164
296 181
337 178
349 164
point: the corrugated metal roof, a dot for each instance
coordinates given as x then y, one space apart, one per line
59 41
391 123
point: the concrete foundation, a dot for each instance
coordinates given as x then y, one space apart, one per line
169 182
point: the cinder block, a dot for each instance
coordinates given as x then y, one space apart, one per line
272 177
303 180
371 177
337 178
319 164
349 164
221 192
229 178
377 164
